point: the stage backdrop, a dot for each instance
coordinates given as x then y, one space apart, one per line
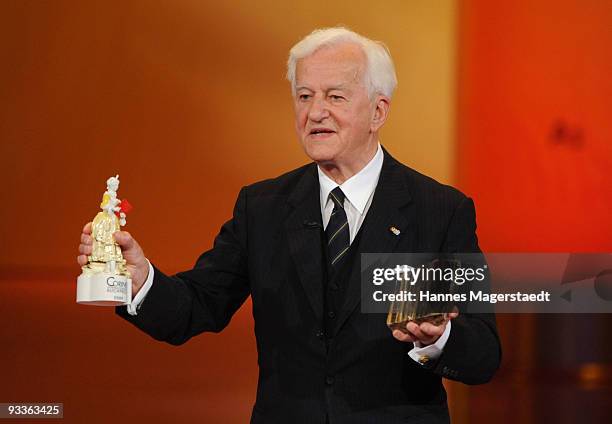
187 102
535 153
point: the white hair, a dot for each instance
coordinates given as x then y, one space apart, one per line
379 76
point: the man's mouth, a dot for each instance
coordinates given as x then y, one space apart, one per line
321 132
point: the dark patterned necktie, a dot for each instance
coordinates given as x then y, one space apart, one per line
337 230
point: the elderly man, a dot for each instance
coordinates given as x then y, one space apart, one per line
294 243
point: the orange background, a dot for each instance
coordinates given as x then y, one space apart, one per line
186 100
534 123
534 150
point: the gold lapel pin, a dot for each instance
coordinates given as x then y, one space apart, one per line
395 230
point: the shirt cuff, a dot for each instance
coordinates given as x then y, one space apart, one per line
423 354
133 307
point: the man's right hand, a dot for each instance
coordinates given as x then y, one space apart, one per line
137 264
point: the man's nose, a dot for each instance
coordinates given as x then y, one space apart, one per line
318 110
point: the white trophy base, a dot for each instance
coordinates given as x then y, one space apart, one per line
104 289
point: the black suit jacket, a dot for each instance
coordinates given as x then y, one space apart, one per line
271 251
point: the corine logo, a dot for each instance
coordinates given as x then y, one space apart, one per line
115 285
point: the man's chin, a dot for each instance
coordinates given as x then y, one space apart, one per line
320 153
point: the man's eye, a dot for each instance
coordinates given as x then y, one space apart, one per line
336 97
304 96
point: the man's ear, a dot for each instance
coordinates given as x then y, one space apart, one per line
381 112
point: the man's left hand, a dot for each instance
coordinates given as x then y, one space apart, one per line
425 333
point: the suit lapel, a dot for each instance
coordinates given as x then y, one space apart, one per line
303 227
390 197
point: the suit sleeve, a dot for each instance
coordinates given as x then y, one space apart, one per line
472 353
205 298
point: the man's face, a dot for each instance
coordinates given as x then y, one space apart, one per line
333 112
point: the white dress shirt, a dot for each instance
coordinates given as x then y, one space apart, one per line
358 191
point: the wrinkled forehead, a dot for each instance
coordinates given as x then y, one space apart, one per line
343 64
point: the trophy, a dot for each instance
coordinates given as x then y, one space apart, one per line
105 280
422 310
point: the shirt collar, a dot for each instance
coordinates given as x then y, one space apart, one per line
359 187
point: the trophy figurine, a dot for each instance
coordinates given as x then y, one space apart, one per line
105 280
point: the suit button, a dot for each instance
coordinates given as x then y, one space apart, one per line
320 334
334 287
329 380
331 314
